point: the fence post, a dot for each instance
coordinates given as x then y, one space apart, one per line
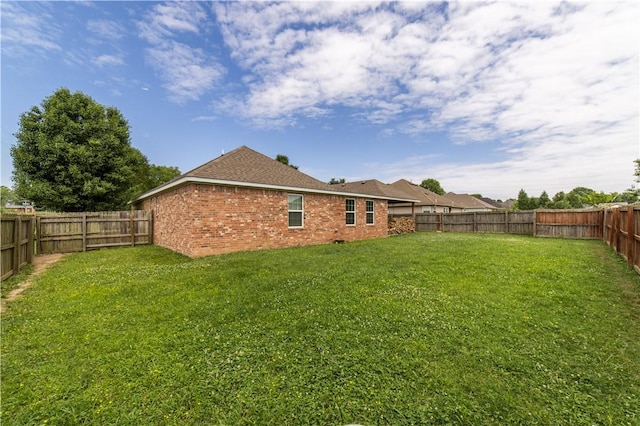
132 229
506 222
16 244
84 232
30 239
630 235
616 232
150 227
535 222
38 242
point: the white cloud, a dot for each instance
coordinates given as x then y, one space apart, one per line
108 60
188 72
205 118
556 84
29 28
106 29
166 20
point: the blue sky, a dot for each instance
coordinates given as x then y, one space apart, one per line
485 97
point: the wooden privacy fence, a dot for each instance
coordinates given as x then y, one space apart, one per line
17 243
585 224
73 232
622 233
492 222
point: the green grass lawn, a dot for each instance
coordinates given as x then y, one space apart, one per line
418 329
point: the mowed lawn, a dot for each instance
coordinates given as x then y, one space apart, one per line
418 329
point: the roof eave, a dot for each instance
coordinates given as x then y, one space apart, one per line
193 179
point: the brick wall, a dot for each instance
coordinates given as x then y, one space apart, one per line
200 220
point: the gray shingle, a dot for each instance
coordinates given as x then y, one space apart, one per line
374 187
248 166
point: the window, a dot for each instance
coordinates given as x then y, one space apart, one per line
446 210
369 212
351 211
295 211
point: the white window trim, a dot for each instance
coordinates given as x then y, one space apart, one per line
373 212
295 211
355 221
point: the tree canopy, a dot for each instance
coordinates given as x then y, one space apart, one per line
433 185
8 196
574 199
74 154
152 176
285 160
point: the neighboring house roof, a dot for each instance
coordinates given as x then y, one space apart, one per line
491 202
508 204
425 197
466 201
375 187
245 167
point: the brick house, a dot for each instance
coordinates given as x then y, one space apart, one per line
244 200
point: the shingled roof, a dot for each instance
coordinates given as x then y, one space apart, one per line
467 201
426 197
375 187
245 167
248 166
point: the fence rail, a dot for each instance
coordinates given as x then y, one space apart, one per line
17 243
74 232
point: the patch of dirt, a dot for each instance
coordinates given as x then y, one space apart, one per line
40 264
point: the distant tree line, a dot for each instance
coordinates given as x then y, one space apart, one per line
579 197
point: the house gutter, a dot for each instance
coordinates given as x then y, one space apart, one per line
193 179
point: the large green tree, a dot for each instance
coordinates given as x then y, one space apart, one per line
523 202
74 154
544 200
433 185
